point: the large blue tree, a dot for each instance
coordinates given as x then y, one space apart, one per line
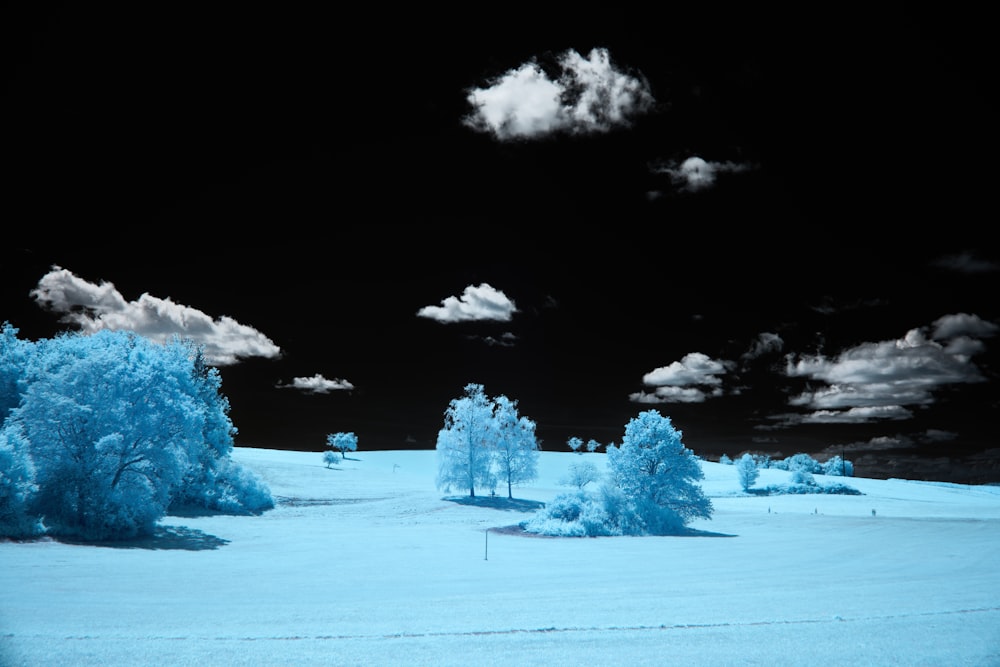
658 475
117 429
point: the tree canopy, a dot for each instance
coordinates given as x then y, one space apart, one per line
485 441
116 429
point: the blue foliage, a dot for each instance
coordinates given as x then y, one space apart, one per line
652 488
330 458
485 441
342 442
798 488
17 487
118 429
746 470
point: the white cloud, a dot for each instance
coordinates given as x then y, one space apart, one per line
674 395
875 380
695 174
317 384
963 324
95 307
694 368
480 302
911 361
589 96
857 415
506 339
863 394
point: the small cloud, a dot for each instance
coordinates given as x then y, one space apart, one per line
506 339
963 324
857 415
93 307
696 174
317 384
480 302
966 262
589 96
674 395
693 369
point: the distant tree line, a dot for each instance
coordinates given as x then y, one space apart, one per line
103 434
835 466
802 467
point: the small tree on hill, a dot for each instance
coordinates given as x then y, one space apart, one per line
342 442
746 471
330 458
575 444
581 474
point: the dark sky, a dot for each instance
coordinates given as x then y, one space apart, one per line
772 228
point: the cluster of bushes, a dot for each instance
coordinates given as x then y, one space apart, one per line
781 489
802 467
835 466
103 434
651 489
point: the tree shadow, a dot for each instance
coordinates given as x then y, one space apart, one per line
518 529
179 538
498 503
692 532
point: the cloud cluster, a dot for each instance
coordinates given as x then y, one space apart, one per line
93 307
317 384
693 379
865 383
874 381
589 96
478 302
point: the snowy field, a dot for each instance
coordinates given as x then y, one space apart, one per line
369 564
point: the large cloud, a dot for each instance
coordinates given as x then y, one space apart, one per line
93 307
589 96
478 302
876 380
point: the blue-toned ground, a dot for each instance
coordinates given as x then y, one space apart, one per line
367 563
